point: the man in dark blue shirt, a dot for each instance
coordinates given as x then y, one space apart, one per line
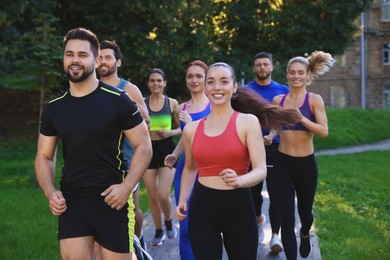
268 89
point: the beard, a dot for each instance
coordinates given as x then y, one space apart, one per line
75 78
106 73
263 75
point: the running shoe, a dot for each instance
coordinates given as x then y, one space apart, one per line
305 246
275 245
158 238
170 229
261 228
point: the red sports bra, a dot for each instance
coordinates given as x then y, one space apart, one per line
213 154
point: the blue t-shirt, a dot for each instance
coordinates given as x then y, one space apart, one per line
269 92
128 149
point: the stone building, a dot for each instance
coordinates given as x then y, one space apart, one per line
351 85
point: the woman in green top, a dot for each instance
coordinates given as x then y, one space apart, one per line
158 178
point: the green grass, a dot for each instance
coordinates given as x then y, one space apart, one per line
349 127
352 206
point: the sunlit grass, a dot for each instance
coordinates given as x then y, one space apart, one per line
352 207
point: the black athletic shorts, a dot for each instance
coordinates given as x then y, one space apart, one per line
113 229
161 149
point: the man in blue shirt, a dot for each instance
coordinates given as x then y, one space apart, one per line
268 89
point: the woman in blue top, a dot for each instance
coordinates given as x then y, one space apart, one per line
295 165
196 108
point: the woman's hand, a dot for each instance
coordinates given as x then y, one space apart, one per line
170 160
180 211
230 178
185 117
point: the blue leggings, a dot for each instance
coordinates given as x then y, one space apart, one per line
296 175
227 212
184 241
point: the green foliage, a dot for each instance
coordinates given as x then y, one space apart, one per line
43 52
171 33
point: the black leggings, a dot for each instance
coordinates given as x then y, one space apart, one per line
296 175
272 182
227 212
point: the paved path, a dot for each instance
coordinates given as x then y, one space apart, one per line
382 145
170 248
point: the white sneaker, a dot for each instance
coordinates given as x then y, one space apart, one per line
261 228
275 245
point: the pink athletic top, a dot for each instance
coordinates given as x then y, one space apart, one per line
213 154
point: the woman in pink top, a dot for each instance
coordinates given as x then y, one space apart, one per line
219 147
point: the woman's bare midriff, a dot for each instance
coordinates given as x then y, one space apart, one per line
296 143
214 182
154 136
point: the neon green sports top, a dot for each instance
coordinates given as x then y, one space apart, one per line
160 120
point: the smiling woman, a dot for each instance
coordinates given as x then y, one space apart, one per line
222 195
295 165
158 178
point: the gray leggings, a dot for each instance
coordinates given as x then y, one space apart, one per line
227 212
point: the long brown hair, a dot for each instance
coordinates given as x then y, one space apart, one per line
270 116
246 100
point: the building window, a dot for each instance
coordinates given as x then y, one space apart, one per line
385 11
338 97
386 54
341 60
386 97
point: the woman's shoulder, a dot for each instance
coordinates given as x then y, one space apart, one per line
247 119
191 127
276 100
315 98
173 102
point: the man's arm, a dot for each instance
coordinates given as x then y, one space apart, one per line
117 195
44 172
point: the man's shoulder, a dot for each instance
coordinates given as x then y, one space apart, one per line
251 84
58 98
110 89
277 84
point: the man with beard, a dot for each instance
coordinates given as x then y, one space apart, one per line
91 119
267 88
110 59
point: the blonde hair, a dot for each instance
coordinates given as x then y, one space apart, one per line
318 63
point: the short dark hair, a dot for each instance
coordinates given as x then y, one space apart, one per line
262 55
82 34
106 44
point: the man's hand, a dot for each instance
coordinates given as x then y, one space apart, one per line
57 202
117 195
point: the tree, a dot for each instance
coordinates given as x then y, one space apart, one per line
42 59
285 28
168 34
